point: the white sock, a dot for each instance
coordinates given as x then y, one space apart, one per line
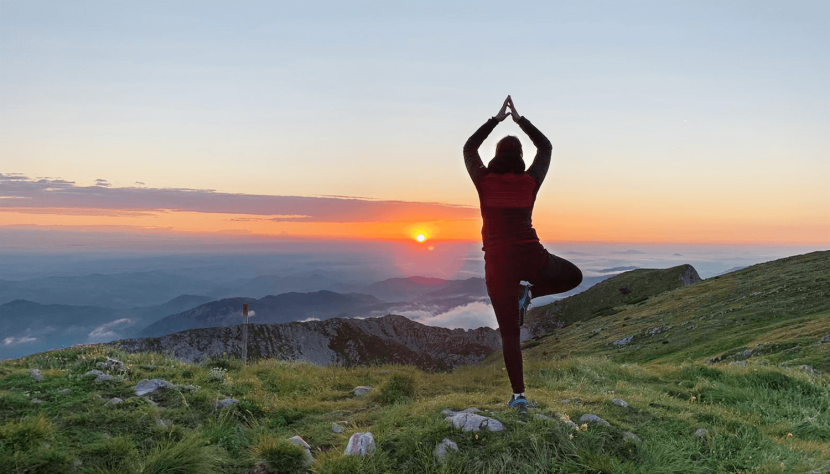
517 395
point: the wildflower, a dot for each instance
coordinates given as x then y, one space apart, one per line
570 436
789 435
583 427
476 436
694 398
565 418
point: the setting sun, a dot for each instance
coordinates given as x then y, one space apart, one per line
420 237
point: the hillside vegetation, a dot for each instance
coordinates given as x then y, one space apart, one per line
698 403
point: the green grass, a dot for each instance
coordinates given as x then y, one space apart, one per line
768 416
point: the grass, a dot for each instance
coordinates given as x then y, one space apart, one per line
765 416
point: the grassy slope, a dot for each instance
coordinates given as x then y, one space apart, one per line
760 418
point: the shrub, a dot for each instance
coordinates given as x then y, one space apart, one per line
280 455
24 434
188 456
218 374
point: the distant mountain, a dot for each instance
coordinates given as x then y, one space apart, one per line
118 290
27 327
270 309
387 340
405 289
264 285
617 269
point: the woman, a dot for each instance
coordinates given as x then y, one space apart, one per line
513 255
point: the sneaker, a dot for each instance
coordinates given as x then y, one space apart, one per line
519 403
524 301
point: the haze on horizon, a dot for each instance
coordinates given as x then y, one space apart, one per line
682 121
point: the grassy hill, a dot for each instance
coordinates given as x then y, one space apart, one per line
749 413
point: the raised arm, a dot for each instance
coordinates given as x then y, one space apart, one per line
539 168
471 157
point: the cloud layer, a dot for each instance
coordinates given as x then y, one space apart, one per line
469 316
18 192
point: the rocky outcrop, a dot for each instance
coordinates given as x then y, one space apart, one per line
689 276
389 339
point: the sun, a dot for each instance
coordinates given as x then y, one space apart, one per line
420 237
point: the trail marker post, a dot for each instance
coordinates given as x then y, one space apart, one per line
245 332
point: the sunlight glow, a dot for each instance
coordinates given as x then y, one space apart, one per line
420 237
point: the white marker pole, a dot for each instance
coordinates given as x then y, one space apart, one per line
245 332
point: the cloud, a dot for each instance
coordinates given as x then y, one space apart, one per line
11 341
469 316
18 192
105 331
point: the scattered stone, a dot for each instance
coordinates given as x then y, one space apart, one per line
824 339
150 367
593 419
810 370
35 373
36 401
149 386
163 423
226 402
629 436
187 388
748 353
361 444
93 373
65 391
469 421
441 450
701 432
543 417
763 362
113 401
335 428
657 330
111 364
99 376
620 402
741 363
362 390
623 341
566 400
301 442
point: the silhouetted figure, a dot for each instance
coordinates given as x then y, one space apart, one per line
512 252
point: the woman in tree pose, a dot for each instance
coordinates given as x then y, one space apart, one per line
514 259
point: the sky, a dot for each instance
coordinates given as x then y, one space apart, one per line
681 121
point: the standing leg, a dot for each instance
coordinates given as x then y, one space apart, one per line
507 313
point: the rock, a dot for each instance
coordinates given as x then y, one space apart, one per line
113 401
35 373
362 390
472 422
701 432
447 411
741 363
149 386
361 444
810 370
588 417
226 402
93 373
748 353
65 391
442 449
566 400
629 436
620 402
187 388
824 339
309 459
623 341
543 417
657 330
163 423
335 428
99 376
36 401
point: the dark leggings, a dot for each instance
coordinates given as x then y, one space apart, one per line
504 269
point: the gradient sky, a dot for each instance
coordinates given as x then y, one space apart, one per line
672 121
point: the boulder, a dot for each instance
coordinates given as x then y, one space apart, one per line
701 432
99 376
362 390
335 428
309 459
35 373
629 436
623 341
588 417
468 421
149 386
443 448
620 402
810 369
113 401
657 330
226 402
361 444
